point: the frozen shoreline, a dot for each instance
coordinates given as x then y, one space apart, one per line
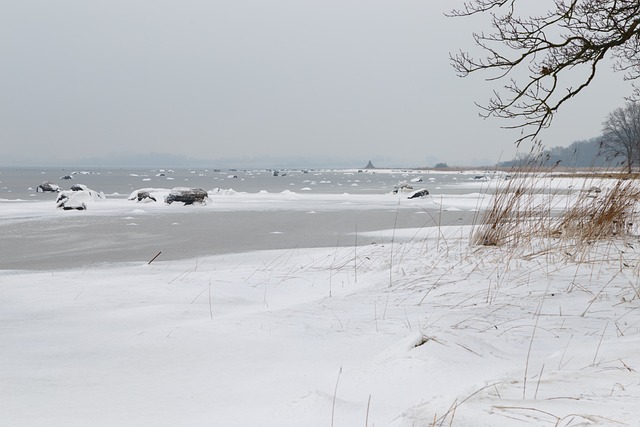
410 325
39 236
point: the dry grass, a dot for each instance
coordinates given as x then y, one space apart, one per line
515 211
597 215
522 210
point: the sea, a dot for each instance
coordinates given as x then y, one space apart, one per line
36 239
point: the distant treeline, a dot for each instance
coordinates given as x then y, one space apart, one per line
580 154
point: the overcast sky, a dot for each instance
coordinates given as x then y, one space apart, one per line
334 79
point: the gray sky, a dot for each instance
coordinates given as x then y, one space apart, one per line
335 79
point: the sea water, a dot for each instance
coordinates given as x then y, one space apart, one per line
22 183
39 240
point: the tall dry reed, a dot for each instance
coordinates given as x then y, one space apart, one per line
525 207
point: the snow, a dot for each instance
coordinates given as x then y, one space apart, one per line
418 329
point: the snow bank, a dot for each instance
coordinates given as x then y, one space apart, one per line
425 328
418 329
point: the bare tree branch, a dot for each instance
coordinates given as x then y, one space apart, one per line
548 59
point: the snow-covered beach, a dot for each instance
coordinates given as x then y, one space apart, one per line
388 316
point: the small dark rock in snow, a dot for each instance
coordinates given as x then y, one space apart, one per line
81 207
48 187
418 193
143 195
188 196
66 177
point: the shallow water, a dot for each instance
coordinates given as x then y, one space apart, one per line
21 183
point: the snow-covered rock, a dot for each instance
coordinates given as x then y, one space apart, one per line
78 197
423 192
149 194
402 187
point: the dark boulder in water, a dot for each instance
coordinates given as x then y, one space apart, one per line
418 194
188 196
48 187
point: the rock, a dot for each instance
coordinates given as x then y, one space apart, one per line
80 207
66 177
77 198
149 194
69 200
48 187
79 187
93 195
188 196
143 196
418 194
402 187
